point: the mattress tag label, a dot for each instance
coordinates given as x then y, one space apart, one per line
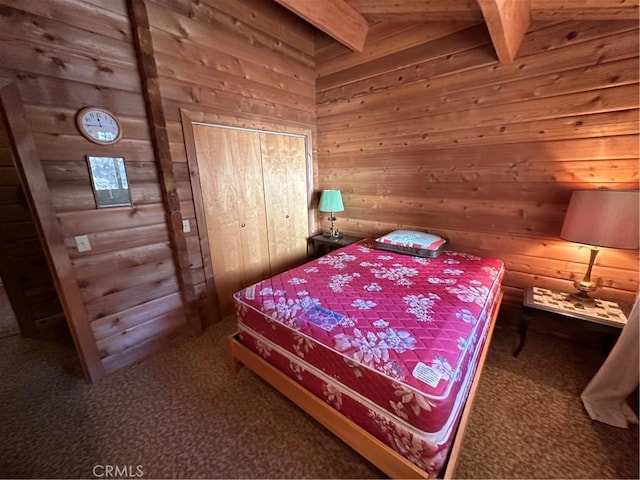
250 292
426 374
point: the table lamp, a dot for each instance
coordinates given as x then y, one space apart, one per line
331 202
601 218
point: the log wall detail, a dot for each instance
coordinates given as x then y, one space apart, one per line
439 136
210 57
423 129
23 264
244 63
63 56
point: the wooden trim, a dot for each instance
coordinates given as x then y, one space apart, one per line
160 139
222 119
38 197
336 18
211 310
559 10
507 21
466 413
378 453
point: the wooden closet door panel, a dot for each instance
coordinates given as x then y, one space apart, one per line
253 237
229 166
285 189
297 192
220 199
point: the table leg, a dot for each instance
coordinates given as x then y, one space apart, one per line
525 319
609 340
322 250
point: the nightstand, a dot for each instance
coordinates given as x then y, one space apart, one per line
601 315
324 244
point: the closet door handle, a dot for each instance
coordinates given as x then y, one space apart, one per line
286 216
242 225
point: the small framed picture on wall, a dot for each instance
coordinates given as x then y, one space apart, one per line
109 181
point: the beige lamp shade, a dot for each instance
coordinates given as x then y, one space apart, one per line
603 218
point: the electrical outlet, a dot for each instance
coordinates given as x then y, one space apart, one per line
82 242
186 226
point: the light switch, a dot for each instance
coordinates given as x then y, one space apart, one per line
82 242
186 227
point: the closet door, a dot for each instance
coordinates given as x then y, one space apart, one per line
230 169
284 169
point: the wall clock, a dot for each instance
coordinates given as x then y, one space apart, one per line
99 125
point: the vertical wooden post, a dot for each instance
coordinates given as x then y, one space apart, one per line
39 199
211 313
155 114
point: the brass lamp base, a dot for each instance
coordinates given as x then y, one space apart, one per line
584 288
581 298
333 231
586 285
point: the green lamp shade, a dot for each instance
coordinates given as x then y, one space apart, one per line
331 201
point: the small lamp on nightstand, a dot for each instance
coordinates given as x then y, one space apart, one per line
331 202
601 218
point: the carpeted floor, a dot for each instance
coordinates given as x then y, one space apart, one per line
528 420
182 414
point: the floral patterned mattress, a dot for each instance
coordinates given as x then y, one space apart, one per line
390 340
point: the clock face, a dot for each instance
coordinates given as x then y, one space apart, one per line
99 125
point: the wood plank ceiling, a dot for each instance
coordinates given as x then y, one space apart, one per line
347 21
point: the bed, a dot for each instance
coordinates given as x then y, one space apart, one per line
385 349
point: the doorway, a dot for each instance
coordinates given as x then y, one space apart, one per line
8 322
29 302
34 226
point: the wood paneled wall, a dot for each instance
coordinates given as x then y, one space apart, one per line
423 129
64 55
435 134
248 63
23 265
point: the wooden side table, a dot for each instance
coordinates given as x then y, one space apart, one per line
602 315
322 243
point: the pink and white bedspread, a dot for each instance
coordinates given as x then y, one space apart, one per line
392 341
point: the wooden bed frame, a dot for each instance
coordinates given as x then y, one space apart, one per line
379 454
